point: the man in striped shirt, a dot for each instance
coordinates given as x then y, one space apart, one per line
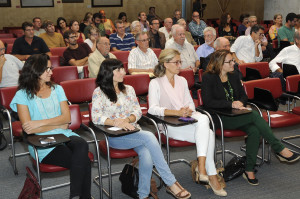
142 59
121 41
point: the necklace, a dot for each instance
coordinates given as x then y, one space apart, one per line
229 97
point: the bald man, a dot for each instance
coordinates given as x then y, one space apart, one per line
98 56
168 22
9 68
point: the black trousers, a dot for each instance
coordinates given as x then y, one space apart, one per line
74 156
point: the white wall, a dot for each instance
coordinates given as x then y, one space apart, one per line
283 7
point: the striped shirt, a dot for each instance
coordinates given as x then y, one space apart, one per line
139 59
124 44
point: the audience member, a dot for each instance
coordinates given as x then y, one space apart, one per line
135 27
96 22
61 26
288 55
152 15
226 29
43 110
108 24
273 31
121 41
76 54
177 16
9 68
188 55
244 24
29 44
74 25
143 21
168 22
196 27
107 110
37 26
52 38
98 56
222 88
87 20
92 38
169 95
123 17
207 48
286 32
188 35
142 59
157 38
297 26
247 49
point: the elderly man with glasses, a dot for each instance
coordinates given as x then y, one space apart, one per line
98 56
9 68
247 49
142 59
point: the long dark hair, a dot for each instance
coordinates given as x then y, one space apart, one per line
58 20
105 78
33 68
223 20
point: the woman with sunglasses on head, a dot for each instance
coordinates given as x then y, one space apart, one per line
222 88
116 104
43 110
169 96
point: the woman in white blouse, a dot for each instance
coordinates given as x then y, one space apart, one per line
169 96
115 104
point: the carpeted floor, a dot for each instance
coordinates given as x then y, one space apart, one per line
277 180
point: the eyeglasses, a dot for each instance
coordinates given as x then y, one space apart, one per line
229 62
176 62
49 69
195 15
2 49
144 40
95 34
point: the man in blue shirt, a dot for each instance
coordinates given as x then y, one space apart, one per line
207 48
196 27
121 41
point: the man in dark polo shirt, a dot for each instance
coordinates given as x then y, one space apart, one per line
157 38
75 54
29 44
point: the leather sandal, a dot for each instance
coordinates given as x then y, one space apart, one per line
179 194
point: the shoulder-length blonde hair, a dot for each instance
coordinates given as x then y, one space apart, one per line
216 61
165 56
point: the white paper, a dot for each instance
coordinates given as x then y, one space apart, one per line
275 115
87 115
143 108
114 128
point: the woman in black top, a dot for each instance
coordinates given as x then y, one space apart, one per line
221 88
226 29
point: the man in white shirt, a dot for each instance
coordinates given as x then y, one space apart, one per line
98 56
142 59
37 24
9 68
247 49
288 55
168 22
188 55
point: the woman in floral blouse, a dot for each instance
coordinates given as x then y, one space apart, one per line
115 104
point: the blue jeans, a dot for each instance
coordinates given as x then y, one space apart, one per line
149 152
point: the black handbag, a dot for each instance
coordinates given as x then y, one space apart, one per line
130 180
234 168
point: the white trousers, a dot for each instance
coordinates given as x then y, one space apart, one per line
202 135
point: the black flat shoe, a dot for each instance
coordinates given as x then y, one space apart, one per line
291 159
250 181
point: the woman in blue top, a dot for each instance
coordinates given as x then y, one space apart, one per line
43 110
